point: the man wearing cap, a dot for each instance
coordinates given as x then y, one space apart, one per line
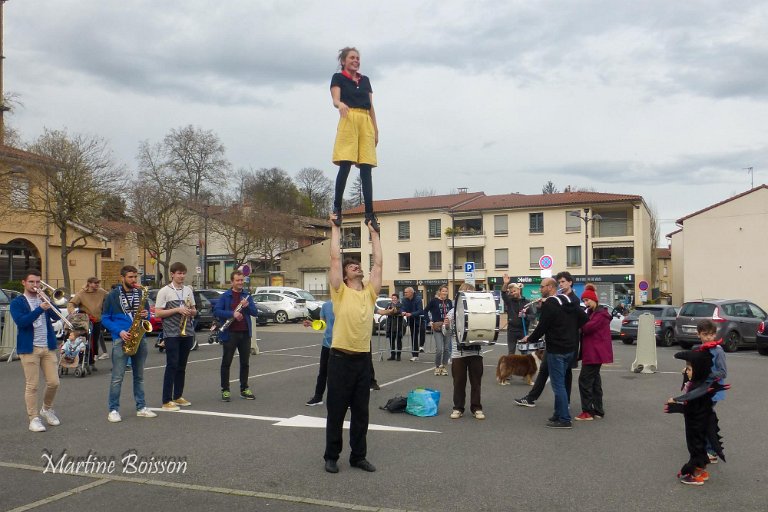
514 304
90 300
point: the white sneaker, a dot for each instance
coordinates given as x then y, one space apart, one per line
50 417
421 349
415 359
438 371
114 417
36 425
145 413
104 356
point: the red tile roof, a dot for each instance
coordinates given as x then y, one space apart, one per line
14 154
479 201
450 201
507 201
682 219
663 253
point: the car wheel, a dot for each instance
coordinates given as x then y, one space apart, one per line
685 345
281 317
732 341
668 339
762 350
627 341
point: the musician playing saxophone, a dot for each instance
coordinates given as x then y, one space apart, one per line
175 304
236 303
120 308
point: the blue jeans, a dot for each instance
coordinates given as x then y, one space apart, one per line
558 366
119 361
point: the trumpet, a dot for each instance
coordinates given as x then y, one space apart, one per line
232 319
187 304
45 298
59 295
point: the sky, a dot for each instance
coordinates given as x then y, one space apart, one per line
668 100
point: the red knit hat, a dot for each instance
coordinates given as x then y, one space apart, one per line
589 293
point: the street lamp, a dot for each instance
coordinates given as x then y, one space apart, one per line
205 249
586 218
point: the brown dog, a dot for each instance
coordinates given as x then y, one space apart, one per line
521 366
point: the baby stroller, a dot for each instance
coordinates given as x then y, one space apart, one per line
76 353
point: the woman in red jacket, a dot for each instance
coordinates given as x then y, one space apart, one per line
596 350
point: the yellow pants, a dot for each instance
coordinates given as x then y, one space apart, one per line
355 139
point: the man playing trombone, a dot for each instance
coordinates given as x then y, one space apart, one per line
176 306
233 309
33 314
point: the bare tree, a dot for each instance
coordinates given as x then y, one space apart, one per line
355 197
165 223
74 193
424 192
317 189
10 136
549 188
238 227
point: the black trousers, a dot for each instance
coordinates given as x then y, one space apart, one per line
322 375
96 338
513 336
177 350
461 367
240 341
349 381
418 327
395 335
591 389
541 382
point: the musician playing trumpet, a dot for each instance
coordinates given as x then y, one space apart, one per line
238 304
176 306
36 346
120 308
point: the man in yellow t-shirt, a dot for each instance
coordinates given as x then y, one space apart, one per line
349 364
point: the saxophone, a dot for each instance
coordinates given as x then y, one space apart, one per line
139 327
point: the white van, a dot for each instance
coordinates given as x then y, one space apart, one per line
313 305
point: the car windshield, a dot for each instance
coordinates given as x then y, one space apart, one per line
305 295
697 309
4 298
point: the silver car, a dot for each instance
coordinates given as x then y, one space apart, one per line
283 307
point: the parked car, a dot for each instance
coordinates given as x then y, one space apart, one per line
313 305
664 320
157 323
737 321
204 317
283 307
5 305
380 321
212 295
616 319
11 294
264 315
761 339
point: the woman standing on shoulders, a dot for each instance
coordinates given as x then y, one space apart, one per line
357 134
596 350
438 308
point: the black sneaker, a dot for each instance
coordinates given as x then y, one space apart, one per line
315 400
524 402
559 424
247 394
374 222
331 466
364 465
337 212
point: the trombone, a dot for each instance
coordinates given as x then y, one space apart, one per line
59 295
45 298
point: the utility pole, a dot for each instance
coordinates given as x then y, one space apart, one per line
751 172
3 107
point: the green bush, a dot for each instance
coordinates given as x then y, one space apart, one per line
13 285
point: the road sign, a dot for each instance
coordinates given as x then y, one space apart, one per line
643 285
643 296
246 270
546 262
198 270
469 267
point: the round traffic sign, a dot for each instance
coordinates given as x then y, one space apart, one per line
643 285
246 270
546 262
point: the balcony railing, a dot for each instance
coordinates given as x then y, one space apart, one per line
611 262
350 244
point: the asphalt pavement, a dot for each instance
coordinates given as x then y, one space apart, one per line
266 454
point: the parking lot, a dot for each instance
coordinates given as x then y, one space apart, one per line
267 453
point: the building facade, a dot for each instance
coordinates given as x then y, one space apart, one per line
599 238
717 252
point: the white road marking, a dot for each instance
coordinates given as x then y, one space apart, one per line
277 371
238 355
296 421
